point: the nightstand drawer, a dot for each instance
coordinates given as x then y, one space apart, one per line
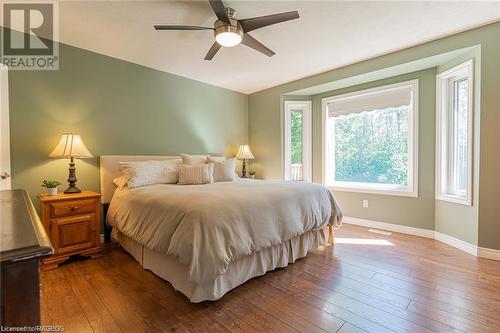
72 207
73 232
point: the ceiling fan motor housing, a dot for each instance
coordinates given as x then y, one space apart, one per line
231 12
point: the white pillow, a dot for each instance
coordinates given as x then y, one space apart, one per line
193 159
143 173
196 174
224 171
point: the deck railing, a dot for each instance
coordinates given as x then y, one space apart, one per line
296 173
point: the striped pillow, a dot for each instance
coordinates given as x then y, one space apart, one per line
196 174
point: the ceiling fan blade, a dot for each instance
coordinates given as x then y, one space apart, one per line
256 45
219 10
181 27
213 50
263 21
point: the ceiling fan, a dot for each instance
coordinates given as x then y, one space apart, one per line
230 31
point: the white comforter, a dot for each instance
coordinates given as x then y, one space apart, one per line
208 226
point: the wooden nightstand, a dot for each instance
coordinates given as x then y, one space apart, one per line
72 222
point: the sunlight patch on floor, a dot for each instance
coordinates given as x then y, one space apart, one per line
380 232
362 241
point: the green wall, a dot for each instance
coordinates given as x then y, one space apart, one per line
265 131
489 185
118 108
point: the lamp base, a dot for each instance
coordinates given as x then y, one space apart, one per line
72 189
72 179
244 169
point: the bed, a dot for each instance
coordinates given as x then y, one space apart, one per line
208 239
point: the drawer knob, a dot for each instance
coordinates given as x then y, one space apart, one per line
74 208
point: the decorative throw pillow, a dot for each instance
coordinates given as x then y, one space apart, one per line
193 159
143 173
224 171
196 174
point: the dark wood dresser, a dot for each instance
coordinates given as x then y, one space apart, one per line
23 244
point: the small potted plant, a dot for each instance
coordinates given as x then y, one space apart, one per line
51 186
252 173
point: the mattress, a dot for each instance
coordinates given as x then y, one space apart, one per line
239 271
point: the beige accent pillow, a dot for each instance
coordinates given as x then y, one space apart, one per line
224 171
212 159
193 159
196 174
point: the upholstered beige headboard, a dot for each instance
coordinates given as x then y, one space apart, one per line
110 170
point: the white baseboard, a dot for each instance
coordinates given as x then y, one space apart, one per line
390 227
455 242
484 252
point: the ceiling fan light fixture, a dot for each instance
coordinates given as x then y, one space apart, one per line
228 39
227 35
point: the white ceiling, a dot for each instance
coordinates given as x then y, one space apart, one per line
328 35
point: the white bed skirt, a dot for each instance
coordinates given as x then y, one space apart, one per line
239 271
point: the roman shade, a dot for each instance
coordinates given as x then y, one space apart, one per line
370 100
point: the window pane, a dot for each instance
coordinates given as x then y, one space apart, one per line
454 177
372 147
297 131
296 144
460 135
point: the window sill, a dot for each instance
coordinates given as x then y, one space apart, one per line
393 192
455 199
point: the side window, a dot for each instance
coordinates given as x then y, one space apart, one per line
454 137
297 119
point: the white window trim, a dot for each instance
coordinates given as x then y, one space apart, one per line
306 107
412 190
465 69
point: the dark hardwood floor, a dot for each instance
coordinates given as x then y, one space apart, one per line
398 283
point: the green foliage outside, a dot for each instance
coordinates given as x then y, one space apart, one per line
296 137
372 147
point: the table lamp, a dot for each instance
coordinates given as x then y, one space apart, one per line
244 153
71 146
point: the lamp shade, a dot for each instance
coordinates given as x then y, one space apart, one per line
70 145
244 153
